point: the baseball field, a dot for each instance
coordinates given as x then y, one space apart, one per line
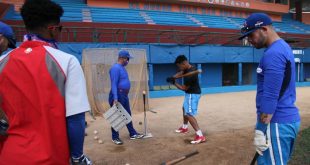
226 119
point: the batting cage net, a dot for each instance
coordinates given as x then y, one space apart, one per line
97 63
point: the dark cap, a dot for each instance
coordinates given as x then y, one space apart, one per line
7 32
124 53
254 22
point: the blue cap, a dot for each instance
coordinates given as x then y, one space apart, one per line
124 53
7 32
254 22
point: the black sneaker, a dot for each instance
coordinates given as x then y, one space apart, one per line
117 141
136 136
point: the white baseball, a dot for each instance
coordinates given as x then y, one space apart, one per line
95 132
96 137
100 141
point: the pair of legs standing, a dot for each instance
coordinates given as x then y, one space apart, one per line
123 99
190 107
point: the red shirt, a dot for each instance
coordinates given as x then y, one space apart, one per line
31 85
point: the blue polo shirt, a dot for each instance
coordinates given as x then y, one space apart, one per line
270 74
119 79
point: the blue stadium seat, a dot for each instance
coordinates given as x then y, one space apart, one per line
78 11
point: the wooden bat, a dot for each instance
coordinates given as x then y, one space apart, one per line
254 158
188 74
174 161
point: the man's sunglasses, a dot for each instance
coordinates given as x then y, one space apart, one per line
58 27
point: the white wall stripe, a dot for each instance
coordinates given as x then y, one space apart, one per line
270 142
279 144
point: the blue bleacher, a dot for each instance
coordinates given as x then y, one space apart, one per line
111 15
215 21
170 18
74 10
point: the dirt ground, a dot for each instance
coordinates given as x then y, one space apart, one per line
227 120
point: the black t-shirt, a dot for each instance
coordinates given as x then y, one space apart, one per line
192 82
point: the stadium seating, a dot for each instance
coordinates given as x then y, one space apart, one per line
80 12
111 15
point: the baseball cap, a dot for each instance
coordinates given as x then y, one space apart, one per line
7 32
124 53
254 22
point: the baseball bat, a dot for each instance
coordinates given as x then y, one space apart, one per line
174 161
256 153
144 112
254 158
188 74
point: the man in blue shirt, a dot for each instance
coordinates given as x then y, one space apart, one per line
120 86
278 119
7 39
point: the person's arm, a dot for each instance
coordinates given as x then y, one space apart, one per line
76 106
76 131
114 77
178 74
273 77
181 87
76 134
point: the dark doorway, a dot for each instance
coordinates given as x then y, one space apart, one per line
247 73
230 74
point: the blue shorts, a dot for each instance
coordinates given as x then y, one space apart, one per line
190 104
282 138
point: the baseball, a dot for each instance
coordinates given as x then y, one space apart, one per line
96 137
95 132
100 141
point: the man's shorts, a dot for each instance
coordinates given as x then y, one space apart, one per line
281 138
190 104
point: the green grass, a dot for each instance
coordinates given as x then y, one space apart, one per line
301 155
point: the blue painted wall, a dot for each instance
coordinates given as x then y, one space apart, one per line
306 71
211 75
210 57
161 72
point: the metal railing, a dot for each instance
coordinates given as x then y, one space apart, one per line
139 35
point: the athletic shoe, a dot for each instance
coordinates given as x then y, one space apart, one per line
198 139
136 136
182 130
117 141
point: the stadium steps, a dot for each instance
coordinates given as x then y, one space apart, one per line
170 18
17 3
214 21
86 15
147 18
196 21
237 24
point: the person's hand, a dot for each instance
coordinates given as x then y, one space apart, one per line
3 127
260 142
3 44
265 118
82 160
171 80
115 102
